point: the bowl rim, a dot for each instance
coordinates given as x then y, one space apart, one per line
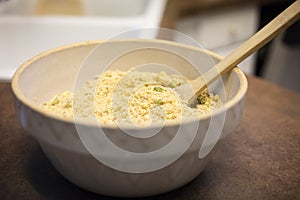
229 104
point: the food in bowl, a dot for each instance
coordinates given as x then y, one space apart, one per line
131 97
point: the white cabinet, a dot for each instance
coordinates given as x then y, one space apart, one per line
222 30
25 32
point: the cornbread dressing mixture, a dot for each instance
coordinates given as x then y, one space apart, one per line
130 97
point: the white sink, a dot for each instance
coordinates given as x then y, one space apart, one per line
24 34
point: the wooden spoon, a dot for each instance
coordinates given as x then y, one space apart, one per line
189 91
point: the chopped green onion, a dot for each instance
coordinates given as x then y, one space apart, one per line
172 84
159 102
55 101
158 89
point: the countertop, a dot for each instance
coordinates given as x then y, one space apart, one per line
260 160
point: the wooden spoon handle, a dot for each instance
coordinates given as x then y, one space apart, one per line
277 25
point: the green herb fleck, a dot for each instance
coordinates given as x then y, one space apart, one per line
55 101
159 102
158 89
172 84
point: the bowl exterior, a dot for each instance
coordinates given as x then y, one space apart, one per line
63 147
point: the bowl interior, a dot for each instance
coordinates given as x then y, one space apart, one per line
67 67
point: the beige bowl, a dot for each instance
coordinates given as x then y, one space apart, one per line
123 174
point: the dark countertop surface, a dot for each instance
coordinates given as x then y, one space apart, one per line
260 160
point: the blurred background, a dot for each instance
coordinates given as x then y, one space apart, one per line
29 27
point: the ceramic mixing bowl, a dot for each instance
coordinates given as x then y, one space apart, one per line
133 166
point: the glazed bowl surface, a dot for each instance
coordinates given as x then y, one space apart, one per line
131 166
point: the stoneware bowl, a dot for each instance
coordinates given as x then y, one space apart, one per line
147 165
